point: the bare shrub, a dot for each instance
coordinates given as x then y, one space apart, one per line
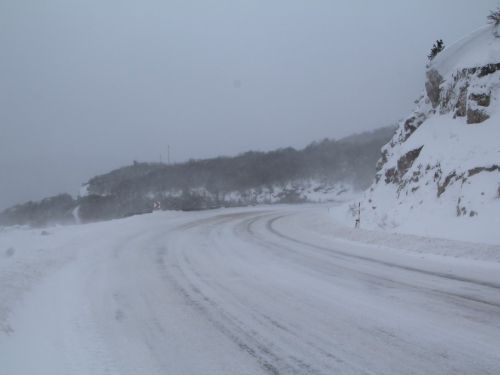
353 209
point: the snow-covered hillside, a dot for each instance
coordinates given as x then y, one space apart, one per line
297 191
440 174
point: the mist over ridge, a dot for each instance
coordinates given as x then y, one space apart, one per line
321 171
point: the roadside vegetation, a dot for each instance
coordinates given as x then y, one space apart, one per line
206 183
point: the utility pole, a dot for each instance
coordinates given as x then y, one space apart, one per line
168 154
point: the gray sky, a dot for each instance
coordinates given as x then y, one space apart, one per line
115 80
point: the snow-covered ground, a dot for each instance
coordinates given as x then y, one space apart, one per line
261 290
424 225
440 174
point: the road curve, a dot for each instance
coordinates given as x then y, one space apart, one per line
300 307
252 291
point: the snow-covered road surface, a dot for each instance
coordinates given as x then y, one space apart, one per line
239 291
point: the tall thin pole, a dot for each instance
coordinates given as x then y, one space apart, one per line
358 220
168 153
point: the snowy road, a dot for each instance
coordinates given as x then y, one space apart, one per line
248 291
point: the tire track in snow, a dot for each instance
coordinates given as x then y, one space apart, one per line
226 323
489 310
406 268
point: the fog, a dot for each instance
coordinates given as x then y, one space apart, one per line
92 85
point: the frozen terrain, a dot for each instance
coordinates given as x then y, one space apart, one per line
440 174
262 290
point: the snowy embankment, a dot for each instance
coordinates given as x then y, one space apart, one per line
465 209
427 237
440 174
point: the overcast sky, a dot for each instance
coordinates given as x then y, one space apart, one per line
118 80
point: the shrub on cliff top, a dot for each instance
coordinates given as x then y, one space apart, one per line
494 18
436 48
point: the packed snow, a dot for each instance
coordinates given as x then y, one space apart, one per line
259 290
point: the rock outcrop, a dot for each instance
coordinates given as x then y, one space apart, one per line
444 157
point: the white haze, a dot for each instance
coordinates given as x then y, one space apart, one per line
87 86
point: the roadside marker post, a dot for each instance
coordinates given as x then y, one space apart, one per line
358 220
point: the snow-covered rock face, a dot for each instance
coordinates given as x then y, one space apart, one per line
444 160
469 93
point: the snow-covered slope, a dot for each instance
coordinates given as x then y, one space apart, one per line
297 191
440 174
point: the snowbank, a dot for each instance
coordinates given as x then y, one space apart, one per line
430 237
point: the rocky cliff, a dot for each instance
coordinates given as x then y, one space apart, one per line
443 162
